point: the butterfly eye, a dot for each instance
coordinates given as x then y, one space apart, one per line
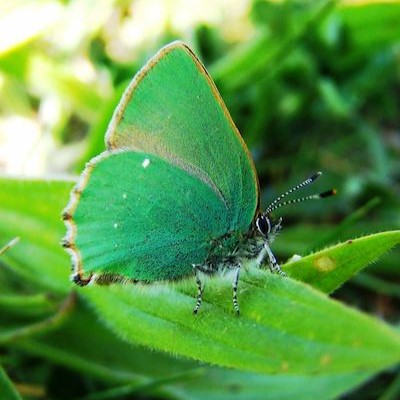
263 225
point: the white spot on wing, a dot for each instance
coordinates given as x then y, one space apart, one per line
145 163
124 195
115 225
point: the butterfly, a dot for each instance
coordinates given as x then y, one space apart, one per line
176 191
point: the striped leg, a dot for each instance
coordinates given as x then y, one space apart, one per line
235 286
200 289
275 231
273 264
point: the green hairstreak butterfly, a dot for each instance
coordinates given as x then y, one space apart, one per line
176 191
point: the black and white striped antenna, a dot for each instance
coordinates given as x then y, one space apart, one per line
278 204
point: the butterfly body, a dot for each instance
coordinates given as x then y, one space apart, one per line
234 248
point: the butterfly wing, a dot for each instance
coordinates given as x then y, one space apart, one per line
173 109
136 215
176 175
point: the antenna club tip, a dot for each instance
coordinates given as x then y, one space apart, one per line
315 176
328 193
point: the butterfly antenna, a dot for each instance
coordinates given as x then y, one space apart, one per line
277 202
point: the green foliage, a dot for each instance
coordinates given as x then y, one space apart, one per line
285 327
7 390
328 269
313 86
280 330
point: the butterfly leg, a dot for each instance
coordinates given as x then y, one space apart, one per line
235 286
200 288
272 263
276 228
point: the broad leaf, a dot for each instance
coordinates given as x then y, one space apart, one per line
328 269
107 357
285 326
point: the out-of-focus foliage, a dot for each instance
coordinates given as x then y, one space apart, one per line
311 86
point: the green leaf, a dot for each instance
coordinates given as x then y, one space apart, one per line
26 305
105 356
330 268
223 384
7 390
220 384
39 327
262 56
102 355
31 210
285 326
378 17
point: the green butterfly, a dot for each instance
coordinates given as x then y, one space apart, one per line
176 192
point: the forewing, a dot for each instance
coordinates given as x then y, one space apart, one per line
173 109
134 214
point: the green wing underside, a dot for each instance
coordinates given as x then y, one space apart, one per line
152 221
173 109
143 218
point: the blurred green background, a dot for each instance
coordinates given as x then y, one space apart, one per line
311 85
